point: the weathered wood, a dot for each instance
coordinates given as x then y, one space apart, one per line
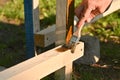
45 37
43 64
60 21
36 23
64 26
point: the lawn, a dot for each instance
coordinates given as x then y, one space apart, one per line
107 29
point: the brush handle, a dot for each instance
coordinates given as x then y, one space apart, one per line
77 33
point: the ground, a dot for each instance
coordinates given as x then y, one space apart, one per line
108 67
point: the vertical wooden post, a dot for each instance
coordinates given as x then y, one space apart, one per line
64 25
60 21
68 71
36 23
29 28
30 15
60 32
69 19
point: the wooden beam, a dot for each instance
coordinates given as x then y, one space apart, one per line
68 71
45 37
60 21
32 25
69 19
43 64
36 21
28 9
64 26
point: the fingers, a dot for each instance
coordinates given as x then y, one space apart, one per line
93 14
84 17
89 9
89 14
84 12
79 9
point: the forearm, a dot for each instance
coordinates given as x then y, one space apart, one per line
114 6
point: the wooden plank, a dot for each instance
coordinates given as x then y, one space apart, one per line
43 64
69 19
68 71
60 21
64 25
45 37
36 21
28 9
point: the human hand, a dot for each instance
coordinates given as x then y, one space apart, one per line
88 9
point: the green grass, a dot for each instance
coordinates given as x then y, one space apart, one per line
13 9
49 9
12 44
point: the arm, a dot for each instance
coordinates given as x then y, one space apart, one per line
88 9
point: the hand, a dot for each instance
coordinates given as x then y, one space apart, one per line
88 9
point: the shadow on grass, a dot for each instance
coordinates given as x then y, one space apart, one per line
12 44
12 41
108 68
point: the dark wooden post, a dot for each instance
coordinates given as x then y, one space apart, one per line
69 19
30 9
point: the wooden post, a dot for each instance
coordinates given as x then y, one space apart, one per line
36 23
69 19
31 10
60 21
64 26
68 71
29 28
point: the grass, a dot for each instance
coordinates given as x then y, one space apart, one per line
12 38
12 44
13 9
